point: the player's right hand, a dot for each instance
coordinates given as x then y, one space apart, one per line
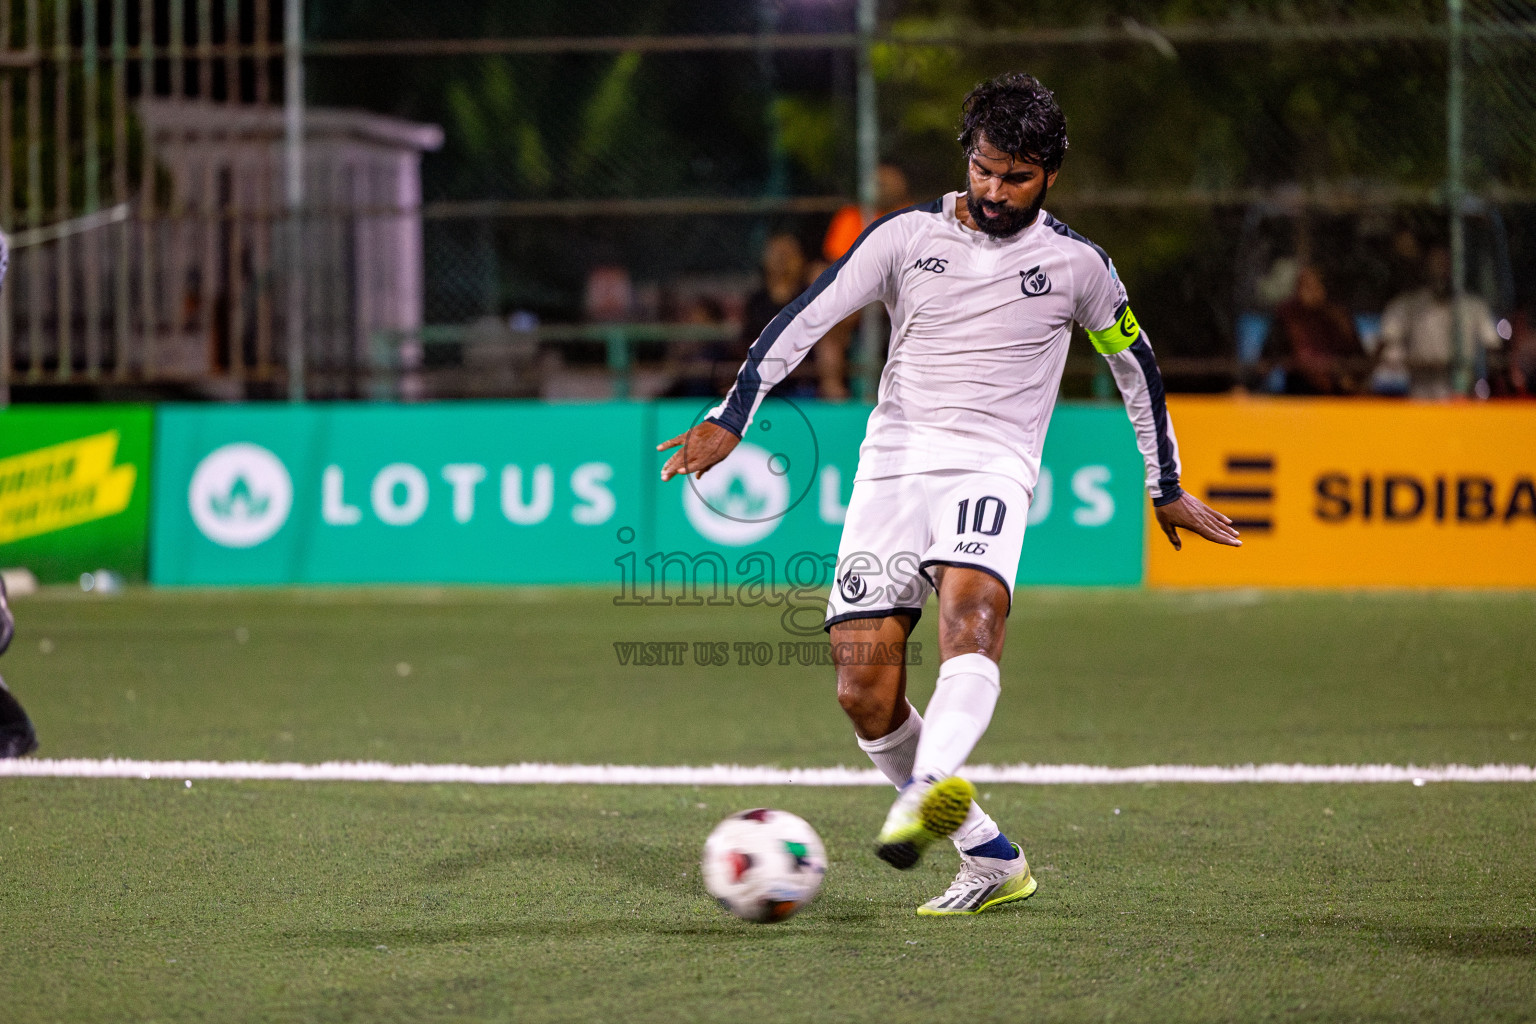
700 448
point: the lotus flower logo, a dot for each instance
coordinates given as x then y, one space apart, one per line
741 500
240 495
239 503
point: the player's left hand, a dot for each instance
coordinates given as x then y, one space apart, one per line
701 447
1196 516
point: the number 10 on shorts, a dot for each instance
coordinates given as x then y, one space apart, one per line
987 519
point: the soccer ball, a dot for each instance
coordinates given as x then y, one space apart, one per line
763 865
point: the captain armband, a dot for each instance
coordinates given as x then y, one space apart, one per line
1118 336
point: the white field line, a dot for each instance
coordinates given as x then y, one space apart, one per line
748 775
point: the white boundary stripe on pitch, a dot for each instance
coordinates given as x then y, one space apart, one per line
748 775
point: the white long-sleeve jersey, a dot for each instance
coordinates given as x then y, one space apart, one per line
979 334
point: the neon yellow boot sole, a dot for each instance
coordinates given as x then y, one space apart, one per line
942 810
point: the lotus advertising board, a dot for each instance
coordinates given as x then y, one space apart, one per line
518 492
465 493
779 501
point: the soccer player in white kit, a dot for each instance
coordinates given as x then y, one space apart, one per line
983 287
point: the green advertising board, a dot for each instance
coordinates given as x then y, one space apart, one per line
74 489
783 493
524 492
514 492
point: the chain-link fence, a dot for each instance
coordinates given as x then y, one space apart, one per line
626 163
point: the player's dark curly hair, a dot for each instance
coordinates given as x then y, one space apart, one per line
1019 116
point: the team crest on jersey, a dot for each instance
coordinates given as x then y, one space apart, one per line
853 587
1034 282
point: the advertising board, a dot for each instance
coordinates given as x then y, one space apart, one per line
785 491
74 489
524 492
512 492
1357 492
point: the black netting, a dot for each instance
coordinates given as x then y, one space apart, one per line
1214 149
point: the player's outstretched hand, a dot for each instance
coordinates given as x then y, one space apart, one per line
697 450
1192 514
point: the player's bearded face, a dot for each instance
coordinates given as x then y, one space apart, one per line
1003 196
1000 220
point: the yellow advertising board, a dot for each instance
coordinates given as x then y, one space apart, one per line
1356 492
63 485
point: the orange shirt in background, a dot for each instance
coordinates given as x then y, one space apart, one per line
842 233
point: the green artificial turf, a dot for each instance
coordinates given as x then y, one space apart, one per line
263 901
1098 677
130 900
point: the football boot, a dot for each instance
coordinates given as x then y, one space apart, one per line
926 811
983 883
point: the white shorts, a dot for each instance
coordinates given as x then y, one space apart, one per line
897 527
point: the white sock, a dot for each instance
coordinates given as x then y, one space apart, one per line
978 828
893 752
958 714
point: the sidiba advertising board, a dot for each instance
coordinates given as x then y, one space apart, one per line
1358 493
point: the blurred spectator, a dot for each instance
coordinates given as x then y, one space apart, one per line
784 278
1418 331
1278 283
1405 261
892 193
610 295
1315 340
700 369
1521 351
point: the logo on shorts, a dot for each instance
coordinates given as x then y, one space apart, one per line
240 495
1034 282
852 586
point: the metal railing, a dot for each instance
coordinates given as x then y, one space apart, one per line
398 354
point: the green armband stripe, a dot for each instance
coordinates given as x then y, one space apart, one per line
1118 336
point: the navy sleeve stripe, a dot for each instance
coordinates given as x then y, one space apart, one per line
749 380
1168 470
1066 232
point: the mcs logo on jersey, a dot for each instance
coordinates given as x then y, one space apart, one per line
240 495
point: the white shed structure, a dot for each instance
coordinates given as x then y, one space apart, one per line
221 238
